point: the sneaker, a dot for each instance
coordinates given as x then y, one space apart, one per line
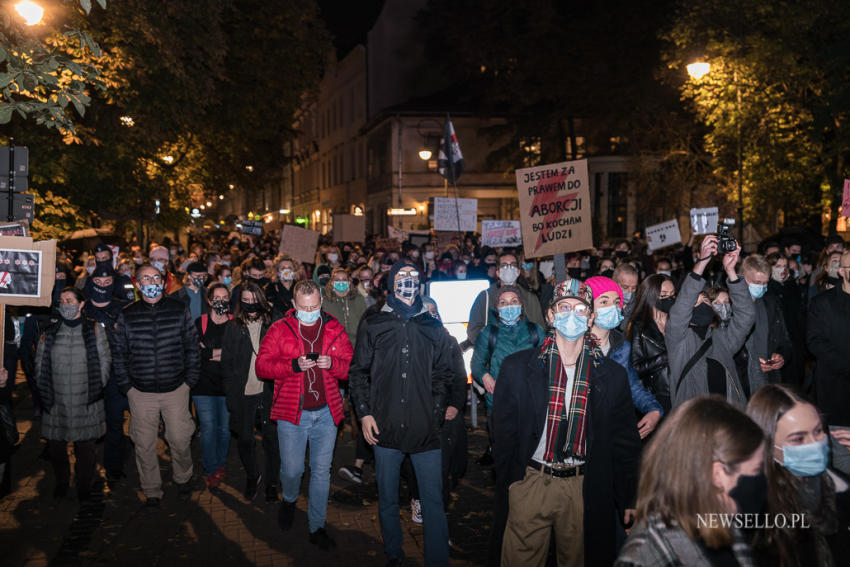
152 502
184 491
271 493
351 474
321 538
285 515
213 481
221 474
251 487
415 511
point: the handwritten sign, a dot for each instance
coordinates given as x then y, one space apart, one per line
499 233
845 202
299 243
349 228
704 221
554 205
663 234
27 270
448 211
252 227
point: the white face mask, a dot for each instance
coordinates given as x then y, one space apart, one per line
546 268
508 275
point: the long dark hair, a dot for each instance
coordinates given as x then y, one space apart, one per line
647 296
240 317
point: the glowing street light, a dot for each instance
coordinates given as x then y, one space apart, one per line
127 121
698 69
425 155
30 12
221 197
249 167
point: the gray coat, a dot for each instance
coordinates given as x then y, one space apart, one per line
72 418
683 342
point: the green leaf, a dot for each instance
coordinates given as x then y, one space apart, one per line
86 4
2 54
5 113
102 4
81 109
5 79
75 67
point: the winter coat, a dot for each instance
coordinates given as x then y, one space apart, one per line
620 352
278 361
510 339
768 336
279 297
236 354
648 358
828 339
156 347
72 417
348 309
789 295
211 336
400 373
613 444
683 342
484 310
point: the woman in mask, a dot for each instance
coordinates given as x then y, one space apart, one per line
799 482
701 356
645 333
344 303
784 289
720 302
827 277
72 366
608 306
529 276
287 271
208 393
249 399
704 464
224 275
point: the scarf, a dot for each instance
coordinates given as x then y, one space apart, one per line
45 381
566 426
402 308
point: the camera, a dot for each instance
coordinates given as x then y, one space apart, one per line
726 242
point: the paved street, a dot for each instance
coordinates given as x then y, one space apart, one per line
219 528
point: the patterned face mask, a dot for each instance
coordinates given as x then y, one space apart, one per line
407 288
151 290
220 306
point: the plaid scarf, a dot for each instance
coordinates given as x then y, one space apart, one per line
566 426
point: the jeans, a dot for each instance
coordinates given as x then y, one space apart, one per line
429 474
319 429
215 431
114 443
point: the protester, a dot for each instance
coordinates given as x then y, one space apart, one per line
558 479
306 353
156 362
279 290
706 461
73 361
785 291
627 278
193 292
342 301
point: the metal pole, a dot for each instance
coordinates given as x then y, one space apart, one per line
11 192
740 162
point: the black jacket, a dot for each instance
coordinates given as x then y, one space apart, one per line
236 354
649 359
613 445
790 297
211 381
156 347
400 374
829 342
279 297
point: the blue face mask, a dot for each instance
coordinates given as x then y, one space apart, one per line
341 287
806 460
609 317
461 275
227 280
151 290
509 313
527 266
570 325
627 297
309 317
757 291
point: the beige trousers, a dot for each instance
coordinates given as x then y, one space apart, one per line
145 411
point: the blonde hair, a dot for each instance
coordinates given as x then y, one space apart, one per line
755 263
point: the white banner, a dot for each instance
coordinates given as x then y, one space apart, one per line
663 234
704 221
447 212
499 233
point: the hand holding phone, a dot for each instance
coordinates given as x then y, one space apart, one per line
312 356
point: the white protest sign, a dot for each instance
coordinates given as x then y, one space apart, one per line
704 221
554 208
299 243
663 234
448 211
499 233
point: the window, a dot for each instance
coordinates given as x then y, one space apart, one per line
617 204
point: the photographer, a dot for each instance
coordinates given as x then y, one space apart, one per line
700 354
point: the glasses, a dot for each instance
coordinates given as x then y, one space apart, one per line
148 279
509 265
408 274
567 307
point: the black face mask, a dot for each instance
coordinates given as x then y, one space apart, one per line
664 305
574 273
607 274
621 253
323 280
250 307
101 294
750 493
702 315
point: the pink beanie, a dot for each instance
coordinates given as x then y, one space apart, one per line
599 285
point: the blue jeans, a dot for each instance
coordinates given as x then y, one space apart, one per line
319 429
215 431
429 476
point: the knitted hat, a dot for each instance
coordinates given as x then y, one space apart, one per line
572 289
508 289
599 285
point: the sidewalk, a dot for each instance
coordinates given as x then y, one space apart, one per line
219 528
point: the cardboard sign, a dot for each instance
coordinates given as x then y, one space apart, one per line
14 229
388 244
663 234
704 221
349 228
299 243
27 271
499 233
448 211
253 227
554 207
845 202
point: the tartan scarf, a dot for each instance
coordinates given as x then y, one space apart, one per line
566 426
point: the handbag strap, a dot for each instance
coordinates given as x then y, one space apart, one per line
694 359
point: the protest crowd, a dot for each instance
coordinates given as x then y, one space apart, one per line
683 406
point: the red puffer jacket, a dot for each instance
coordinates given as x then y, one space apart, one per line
276 361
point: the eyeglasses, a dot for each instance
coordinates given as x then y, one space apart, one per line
408 274
567 307
509 265
148 279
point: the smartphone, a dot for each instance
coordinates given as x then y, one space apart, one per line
312 356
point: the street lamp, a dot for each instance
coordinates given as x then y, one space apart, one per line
30 12
697 70
424 155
